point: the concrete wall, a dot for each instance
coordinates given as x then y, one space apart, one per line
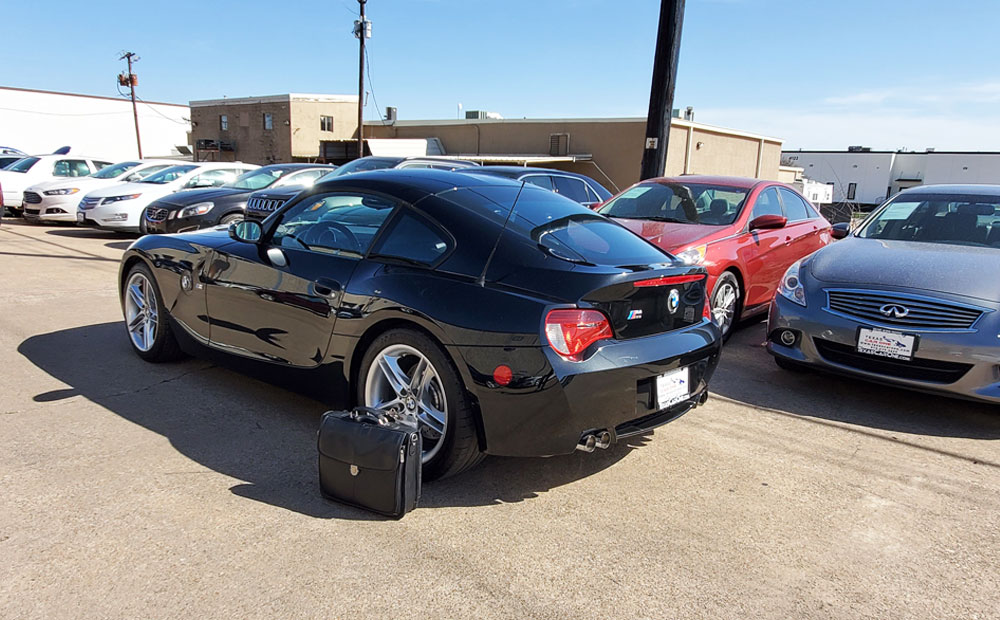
102 127
615 144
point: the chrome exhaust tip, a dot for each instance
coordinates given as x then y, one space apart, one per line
603 440
588 443
703 398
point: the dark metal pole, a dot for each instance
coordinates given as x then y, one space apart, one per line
361 83
661 94
135 111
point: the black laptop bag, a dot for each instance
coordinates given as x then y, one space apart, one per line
370 459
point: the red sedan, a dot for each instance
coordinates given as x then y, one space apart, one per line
746 232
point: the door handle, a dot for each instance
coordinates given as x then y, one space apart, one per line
326 287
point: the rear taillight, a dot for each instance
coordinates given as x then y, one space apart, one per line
571 331
669 280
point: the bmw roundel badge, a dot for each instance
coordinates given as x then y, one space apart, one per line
673 301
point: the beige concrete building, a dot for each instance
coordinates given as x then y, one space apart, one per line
270 129
607 149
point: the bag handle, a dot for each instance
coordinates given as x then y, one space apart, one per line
367 414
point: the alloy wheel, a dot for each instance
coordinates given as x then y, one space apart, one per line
140 312
724 304
402 378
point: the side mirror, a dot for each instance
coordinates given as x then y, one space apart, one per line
766 222
841 230
246 231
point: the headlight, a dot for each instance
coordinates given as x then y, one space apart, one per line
693 256
111 199
62 192
791 286
200 208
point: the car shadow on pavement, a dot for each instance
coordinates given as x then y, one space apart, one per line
748 374
260 432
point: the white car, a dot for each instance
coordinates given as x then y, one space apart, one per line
27 171
56 201
120 207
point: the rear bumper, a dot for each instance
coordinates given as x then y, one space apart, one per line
551 403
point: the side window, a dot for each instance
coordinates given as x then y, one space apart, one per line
333 223
100 165
767 204
306 178
574 189
795 209
70 168
541 180
412 238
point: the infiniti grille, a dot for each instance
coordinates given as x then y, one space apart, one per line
899 310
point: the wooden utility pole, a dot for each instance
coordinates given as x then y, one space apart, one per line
661 94
131 80
361 31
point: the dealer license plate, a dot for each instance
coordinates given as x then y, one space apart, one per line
884 343
673 387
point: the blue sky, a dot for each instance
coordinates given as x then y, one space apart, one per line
817 73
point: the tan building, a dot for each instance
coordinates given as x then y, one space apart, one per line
270 129
607 149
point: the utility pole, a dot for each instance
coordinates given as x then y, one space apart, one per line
130 79
661 94
362 30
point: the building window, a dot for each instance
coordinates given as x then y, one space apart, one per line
852 189
326 123
224 122
268 122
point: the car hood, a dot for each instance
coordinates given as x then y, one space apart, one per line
146 189
668 235
938 267
192 196
80 182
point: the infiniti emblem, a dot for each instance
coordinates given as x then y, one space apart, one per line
894 310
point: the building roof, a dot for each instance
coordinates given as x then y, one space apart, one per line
118 99
275 99
674 122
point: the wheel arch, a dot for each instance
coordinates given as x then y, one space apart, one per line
128 263
396 322
734 269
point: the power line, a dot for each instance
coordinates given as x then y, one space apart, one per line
378 109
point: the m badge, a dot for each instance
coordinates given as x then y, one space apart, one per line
634 314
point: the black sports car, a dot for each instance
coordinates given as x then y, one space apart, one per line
201 208
509 320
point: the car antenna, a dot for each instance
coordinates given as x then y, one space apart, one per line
489 259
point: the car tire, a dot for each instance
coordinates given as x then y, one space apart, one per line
726 302
229 218
789 365
151 336
458 449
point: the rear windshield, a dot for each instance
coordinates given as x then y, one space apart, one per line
360 165
950 219
111 172
593 239
22 165
683 203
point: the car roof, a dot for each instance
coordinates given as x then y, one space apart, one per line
298 166
955 188
709 179
516 171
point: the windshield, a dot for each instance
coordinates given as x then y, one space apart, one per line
360 165
256 179
22 165
938 218
684 203
170 174
115 171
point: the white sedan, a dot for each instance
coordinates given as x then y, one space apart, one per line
56 201
120 207
27 171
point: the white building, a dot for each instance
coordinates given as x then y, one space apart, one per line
37 121
867 177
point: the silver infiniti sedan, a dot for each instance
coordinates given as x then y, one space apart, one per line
912 298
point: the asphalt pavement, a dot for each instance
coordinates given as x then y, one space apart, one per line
131 490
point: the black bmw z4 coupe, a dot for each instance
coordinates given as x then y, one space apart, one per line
507 319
